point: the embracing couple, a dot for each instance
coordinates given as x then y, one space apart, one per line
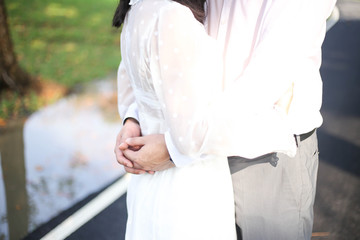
220 102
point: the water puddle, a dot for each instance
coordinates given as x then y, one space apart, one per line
60 155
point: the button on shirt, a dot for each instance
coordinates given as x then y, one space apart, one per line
267 46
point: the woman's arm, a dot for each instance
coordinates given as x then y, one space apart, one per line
186 66
201 118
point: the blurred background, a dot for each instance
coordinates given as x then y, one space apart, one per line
58 108
58 119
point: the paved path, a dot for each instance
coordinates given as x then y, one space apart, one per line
337 206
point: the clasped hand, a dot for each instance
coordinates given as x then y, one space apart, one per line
141 154
147 154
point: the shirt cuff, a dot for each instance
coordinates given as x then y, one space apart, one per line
132 112
179 159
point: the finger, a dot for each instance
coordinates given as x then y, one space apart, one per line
121 159
118 139
123 146
117 143
135 148
138 166
125 162
136 141
131 155
134 170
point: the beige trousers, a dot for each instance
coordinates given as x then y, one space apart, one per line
274 194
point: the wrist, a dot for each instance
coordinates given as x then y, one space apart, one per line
131 128
131 120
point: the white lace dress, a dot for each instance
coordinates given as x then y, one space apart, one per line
168 60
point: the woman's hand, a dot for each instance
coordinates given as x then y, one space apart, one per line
130 129
153 154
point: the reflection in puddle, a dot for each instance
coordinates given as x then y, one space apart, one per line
62 154
14 208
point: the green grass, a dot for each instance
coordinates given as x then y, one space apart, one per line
12 105
67 41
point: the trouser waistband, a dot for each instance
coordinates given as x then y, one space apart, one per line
304 136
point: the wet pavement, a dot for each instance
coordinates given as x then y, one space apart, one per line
59 156
337 205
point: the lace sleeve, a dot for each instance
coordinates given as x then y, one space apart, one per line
125 92
187 69
201 118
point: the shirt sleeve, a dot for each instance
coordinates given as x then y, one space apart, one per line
287 49
126 100
201 118
132 112
178 158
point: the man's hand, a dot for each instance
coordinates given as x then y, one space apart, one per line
153 154
130 129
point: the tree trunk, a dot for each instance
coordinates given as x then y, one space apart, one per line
11 75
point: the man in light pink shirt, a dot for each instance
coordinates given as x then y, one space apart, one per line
267 47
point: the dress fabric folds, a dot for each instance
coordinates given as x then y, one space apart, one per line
166 63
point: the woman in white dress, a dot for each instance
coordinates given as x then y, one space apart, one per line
171 68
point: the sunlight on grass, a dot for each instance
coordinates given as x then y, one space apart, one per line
19 28
56 10
38 44
95 19
12 5
68 42
60 42
70 47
